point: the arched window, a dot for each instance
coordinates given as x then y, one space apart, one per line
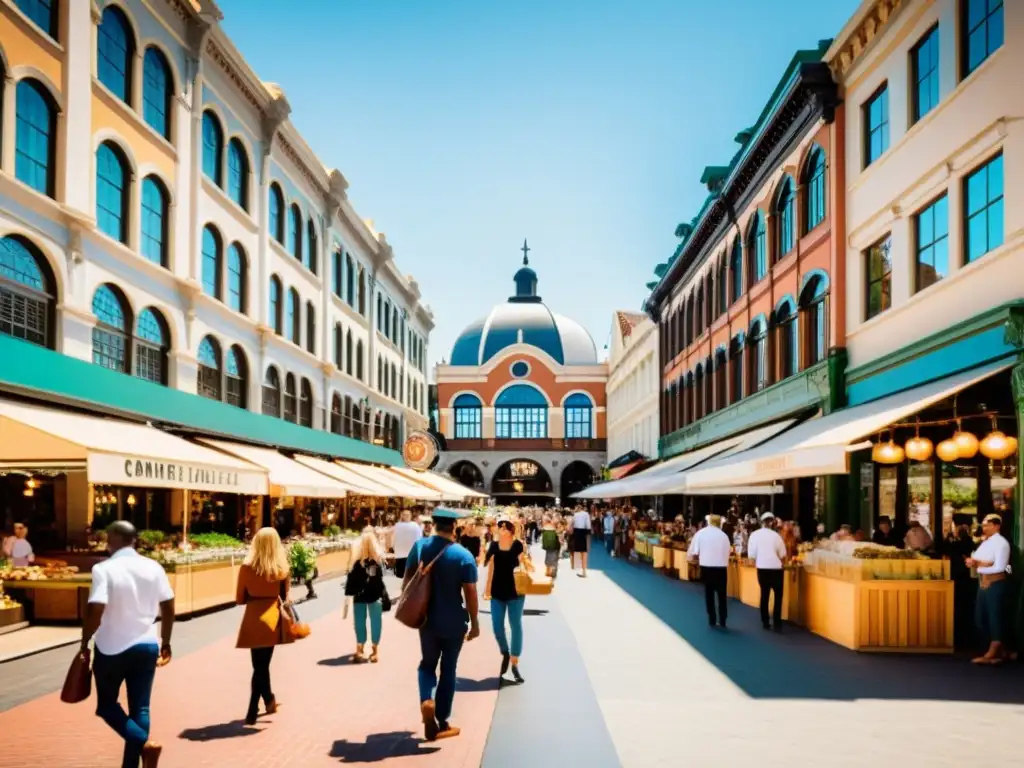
276 213
699 313
520 411
310 328
392 381
359 360
394 325
736 270
757 248
784 218
156 92
380 374
212 262
27 292
814 308
339 347
350 281
380 312
306 404
213 148
151 344
337 277
348 353
468 417
721 379
237 270
311 246
814 189
115 51
112 331
758 354
349 421
272 393
292 322
786 338
35 136
238 174
723 285
42 12
112 191
236 373
736 368
579 422
295 232
336 413
362 292
276 315
698 394
154 220
290 399
208 380
401 388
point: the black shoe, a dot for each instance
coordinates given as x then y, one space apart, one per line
767 626
505 659
515 674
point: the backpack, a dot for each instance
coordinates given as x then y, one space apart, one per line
549 541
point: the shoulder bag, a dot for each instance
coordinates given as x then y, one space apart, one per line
78 683
412 606
292 628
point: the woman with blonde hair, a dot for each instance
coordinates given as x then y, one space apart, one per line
263 585
365 585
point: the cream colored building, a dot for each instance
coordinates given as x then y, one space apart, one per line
633 386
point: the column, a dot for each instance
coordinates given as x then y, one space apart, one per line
74 135
7 126
326 283
194 173
184 192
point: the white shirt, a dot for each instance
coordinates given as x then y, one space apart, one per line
19 550
131 587
581 520
996 550
766 548
404 536
712 547
609 524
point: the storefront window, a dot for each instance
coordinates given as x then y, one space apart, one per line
959 493
887 481
919 493
1004 486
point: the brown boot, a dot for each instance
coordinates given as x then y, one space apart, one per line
430 729
358 656
447 731
151 754
272 705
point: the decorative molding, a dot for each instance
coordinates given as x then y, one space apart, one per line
180 8
219 57
870 27
292 154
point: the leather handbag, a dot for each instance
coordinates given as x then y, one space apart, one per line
412 606
291 626
78 682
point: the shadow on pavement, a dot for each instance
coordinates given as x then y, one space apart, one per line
796 664
341 661
220 731
379 747
465 685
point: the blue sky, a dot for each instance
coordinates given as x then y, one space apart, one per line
464 126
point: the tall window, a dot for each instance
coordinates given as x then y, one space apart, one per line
110 335
291 400
156 92
213 148
310 328
757 250
337 261
786 339
736 270
295 232
579 421
276 315
154 221
292 325
26 292
983 209
814 307
336 413
723 285
339 346
721 382
982 29
350 281
236 278
757 345
272 393
468 417
238 174
276 213
878 271
359 360
924 74
348 353
932 243
306 404
115 51
236 378
814 183
311 247
35 137
876 125
212 262
520 412
380 374
362 292
42 12
208 382
112 191
785 218
151 344
736 368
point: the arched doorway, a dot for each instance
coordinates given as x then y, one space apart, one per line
575 477
523 481
467 473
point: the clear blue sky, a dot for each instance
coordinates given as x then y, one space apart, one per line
464 126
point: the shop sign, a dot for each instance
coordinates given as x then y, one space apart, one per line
111 469
419 450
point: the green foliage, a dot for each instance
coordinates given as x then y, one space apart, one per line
332 530
959 496
302 561
150 539
212 540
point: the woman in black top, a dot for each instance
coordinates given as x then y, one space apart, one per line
365 585
504 556
470 539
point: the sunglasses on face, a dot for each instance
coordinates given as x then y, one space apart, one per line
506 526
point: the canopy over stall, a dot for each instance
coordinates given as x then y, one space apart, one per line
407 489
358 485
822 446
116 452
287 477
449 489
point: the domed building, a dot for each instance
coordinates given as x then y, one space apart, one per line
522 403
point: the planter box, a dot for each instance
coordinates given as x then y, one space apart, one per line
203 586
54 600
661 557
750 592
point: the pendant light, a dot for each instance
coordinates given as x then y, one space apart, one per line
966 443
948 451
919 448
996 445
887 453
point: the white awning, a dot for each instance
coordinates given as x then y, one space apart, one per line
117 452
406 489
358 485
449 489
287 477
822 446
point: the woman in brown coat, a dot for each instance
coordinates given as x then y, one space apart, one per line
263 583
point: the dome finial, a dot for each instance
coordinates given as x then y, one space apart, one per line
526 253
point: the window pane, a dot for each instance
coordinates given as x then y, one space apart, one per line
876 118
983 190
238 174
113 61
154 227
211 263
212 148
34 137
42 14
110 193
156 92
236 278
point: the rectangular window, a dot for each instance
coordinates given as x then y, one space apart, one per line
924 67
467 423
981 27
521 422
931 230
876 125
983 210
878 271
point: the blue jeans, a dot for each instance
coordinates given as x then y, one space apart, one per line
514 609
359 611
433 649
135 668
990 612
609 542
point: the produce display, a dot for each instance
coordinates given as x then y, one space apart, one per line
860 561
52 572
8 603
879 552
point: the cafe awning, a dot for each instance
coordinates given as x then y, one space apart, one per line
287 477
117 452
448 488
822 446
407 489
358 485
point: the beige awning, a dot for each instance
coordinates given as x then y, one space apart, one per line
449 489
117 452
823 446
358 485
406 489
287 477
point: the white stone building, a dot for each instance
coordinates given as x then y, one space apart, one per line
633 386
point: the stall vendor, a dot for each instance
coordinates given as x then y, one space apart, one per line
991 559
17 547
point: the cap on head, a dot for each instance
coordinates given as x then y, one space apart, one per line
993 519
767 516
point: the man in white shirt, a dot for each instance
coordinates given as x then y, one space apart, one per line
710 548
406 533
768 551
991 559
128 592
18 548
580 538
609 531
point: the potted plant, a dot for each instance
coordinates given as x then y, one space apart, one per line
302 560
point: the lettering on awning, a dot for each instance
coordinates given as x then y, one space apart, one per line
183 475
768 466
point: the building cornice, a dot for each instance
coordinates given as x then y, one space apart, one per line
858 35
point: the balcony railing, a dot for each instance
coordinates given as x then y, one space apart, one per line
527 444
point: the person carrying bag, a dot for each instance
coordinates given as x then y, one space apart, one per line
365 586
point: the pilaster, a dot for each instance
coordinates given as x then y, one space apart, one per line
75 187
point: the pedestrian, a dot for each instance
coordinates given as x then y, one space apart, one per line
470 539
503 557
405 534
991 559
365 585
451 619
768 551
17 547
711 548
551 543
580 538
263 585
609 532
128 592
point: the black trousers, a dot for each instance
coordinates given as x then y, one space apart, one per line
716 582
770 580
260 678
400 567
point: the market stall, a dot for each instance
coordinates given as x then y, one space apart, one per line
750 590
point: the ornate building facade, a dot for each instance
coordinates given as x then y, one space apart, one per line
633 389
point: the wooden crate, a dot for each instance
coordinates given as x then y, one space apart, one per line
750 592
